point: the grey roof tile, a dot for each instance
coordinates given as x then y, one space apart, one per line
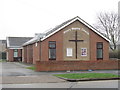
17 41
56 28
36 38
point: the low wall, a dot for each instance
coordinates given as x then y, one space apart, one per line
76 65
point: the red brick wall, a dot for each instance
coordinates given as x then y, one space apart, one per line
10 55
58 37
30 54
19 52
24 54
76 65
36 52
94 38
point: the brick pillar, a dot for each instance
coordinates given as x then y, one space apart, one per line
24 54
10 55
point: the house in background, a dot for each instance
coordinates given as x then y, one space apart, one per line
14 47
2 49
73 40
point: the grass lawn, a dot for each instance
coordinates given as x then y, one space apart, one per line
32 68
2 60
87 75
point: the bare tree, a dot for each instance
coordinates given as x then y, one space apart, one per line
108 26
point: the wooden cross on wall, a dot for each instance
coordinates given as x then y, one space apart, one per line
76 41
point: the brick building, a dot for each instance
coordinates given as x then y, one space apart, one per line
14 47
72 41
31 50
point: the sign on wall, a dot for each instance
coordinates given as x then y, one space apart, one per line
83 51
74 29
69 52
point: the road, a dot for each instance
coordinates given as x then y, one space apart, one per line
88 84
15 75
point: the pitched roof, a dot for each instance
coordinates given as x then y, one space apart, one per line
16 42
61 26
35 39
66 23
45 34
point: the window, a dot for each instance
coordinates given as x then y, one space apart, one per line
15 53
99 50
52 50
69 52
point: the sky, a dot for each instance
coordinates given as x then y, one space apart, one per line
24 18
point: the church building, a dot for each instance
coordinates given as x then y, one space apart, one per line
73 40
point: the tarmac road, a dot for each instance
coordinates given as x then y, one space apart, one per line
88 84
16 73
17 69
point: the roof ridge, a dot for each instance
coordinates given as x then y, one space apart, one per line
16 41
19 37
70 21
53 29
64 24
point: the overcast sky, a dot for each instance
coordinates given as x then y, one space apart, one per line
24 18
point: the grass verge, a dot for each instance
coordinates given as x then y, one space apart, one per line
87 75
31 68
2 60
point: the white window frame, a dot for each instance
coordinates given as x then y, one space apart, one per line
15 53
69 52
